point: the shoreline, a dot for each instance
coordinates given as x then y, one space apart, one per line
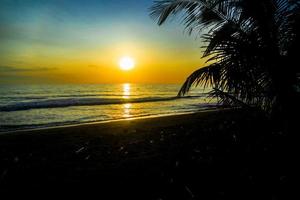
112 121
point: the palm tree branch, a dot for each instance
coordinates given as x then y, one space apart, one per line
206 76
162 9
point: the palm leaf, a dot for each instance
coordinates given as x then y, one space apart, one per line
206 76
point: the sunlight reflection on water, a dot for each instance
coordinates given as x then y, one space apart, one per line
126 90
127 110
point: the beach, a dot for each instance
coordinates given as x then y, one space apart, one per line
148 100
217 154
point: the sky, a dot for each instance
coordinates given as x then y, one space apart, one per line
82 41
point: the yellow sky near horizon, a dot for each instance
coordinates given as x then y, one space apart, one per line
153 64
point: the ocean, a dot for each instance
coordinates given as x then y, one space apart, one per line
39 106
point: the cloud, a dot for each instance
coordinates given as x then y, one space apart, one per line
10 69
93 66
9 74
23 79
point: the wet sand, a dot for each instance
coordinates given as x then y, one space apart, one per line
219 154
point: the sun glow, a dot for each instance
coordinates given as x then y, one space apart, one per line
126 63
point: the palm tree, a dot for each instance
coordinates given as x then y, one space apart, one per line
251 45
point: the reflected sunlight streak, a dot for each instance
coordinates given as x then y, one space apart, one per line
126 90
127 108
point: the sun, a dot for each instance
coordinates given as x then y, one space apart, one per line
126 63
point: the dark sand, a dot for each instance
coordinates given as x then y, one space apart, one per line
210 155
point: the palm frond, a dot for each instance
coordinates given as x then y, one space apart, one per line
161 10
206 76
197 14
227 99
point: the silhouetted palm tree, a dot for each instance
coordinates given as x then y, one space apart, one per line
252 45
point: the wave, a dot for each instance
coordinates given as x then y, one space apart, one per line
59 96
58 103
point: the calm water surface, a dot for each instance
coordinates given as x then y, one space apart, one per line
36 106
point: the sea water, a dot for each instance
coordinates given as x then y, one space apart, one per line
37 106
